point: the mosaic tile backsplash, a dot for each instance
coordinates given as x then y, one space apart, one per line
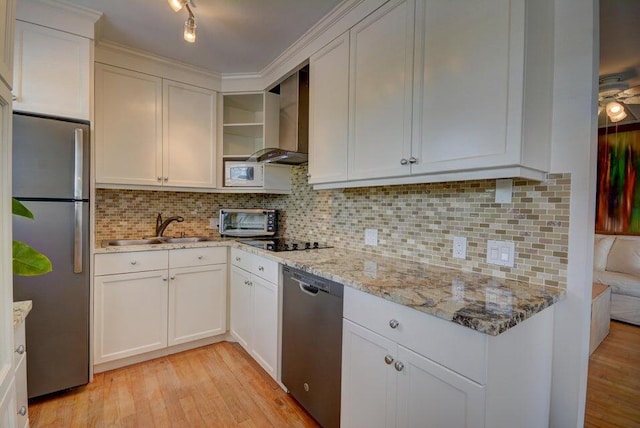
415 222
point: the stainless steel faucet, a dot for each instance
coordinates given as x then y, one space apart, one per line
162 225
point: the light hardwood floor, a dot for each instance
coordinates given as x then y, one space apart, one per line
215 386
613 386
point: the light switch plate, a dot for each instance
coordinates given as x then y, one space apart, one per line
501 253
371 237
459 247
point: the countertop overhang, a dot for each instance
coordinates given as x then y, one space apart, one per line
483 303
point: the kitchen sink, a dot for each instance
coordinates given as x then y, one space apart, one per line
123 242
187 239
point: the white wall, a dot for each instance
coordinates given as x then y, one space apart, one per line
574 139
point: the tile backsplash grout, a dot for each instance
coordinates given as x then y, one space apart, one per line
415 222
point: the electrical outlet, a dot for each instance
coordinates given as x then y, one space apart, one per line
501 253
459 247
213 223
371 237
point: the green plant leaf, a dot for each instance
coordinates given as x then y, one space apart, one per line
29 262
18 209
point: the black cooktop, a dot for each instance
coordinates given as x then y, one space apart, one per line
284 244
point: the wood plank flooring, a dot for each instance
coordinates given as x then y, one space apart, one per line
613 386
215 386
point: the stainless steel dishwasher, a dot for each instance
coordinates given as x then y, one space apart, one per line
312 343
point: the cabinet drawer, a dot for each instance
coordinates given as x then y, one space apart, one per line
197 257
21 392
138 261
19 342
259 266
456 347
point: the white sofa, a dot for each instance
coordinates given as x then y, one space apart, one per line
616 262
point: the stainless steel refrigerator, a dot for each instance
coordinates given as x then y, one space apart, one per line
51 177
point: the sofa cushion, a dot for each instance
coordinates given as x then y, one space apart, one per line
620 283
624 256
603 244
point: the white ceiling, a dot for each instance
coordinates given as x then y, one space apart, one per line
620 44
233 36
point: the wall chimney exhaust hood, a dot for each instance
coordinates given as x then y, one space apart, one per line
294 123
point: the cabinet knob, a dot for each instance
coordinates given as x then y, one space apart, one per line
20 349
246 282
22 411
159 179
413 160
173 277
166 179
164 278
399 366
388 359
261 268
394 323
403 161
199 257
134 262
14 98
237 259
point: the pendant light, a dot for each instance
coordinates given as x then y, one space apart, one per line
615 111
190 23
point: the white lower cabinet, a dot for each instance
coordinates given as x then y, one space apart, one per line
254 307
8 407
146 310
403 368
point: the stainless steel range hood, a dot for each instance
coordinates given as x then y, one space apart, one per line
294 123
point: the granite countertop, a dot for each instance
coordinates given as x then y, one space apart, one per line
484 303
20 311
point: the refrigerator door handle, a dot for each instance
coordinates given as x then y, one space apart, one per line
78 238
78 166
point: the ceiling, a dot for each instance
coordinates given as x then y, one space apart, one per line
620 45
233 36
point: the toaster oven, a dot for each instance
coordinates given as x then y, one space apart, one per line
248 222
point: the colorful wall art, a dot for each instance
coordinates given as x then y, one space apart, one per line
618 193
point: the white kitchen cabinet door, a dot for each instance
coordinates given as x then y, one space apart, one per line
329 112
189 136
197 303
51 72
368 380
380 92
8 415
7 11
241 310
264 346
130 314
432 396
128 107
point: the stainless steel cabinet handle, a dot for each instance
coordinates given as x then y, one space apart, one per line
261 268
388 359
413 160
20 349
394 323
403 161
22 411
399 366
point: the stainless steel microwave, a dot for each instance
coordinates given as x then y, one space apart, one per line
243 174
248 223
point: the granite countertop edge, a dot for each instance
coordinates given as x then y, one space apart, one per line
21 310
487 304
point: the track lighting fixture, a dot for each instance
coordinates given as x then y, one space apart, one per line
190 23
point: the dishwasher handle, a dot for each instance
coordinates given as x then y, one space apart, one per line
306 288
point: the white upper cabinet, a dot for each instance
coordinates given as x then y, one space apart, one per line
329 104
7 9
467 95
189 135
51 72
153 132
380 91
473 108
128 123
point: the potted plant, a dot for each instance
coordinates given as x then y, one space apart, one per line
27 261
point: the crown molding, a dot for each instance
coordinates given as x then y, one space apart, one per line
112 53
59 15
